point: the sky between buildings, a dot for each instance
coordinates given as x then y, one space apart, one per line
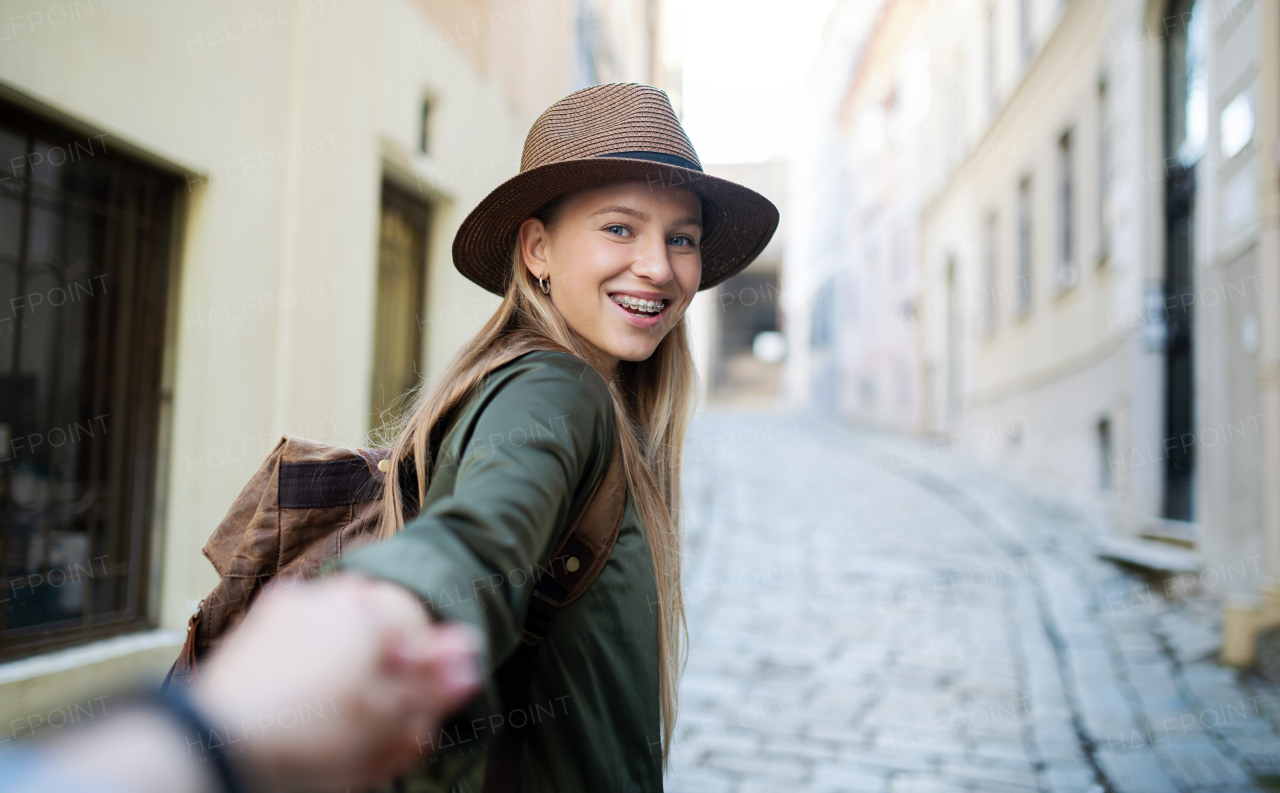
745 62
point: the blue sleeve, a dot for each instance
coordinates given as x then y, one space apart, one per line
25 767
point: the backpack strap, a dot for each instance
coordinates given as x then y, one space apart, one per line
576 562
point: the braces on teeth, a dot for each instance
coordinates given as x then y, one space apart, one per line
647 306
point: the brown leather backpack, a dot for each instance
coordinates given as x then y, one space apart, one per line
310 502
307 503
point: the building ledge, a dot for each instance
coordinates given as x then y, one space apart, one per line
1150 554
1173 532
87 654
43 689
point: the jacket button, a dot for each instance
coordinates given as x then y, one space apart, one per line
573 564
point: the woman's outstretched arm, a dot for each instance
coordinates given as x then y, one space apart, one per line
541 438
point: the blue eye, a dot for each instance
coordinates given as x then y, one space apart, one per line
686 242
610 228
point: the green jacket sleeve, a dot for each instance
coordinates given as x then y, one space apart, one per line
527 453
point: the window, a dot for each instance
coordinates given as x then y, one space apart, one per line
1186 84
402 263
993 98
901 250
1066 270
990 276
1022 289
595 57
424 132
823 320
1104 450
955 325
84 243
1026 43
958 125
1106 199
1235 125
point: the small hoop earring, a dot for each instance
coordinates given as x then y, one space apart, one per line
546 288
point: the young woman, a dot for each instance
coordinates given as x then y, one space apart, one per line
597 247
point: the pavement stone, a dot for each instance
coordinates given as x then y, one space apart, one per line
869 614
833 777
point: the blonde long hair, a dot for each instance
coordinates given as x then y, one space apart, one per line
653 402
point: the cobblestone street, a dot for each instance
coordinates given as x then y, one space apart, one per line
867 614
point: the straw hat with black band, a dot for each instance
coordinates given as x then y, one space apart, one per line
612 133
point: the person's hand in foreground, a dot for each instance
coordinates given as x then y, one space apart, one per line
325 685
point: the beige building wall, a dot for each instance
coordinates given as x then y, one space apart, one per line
1236 299
1033 386
282 122
533 49
1033 383
1267 613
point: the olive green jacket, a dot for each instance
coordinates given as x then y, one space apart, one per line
520 458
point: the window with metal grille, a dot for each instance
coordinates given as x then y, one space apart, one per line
84 274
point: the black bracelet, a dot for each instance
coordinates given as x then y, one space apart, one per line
177 704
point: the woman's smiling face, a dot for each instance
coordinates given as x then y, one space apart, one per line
624 262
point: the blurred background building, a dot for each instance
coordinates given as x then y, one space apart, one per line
1045 231
219 223
1042 231
737 328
